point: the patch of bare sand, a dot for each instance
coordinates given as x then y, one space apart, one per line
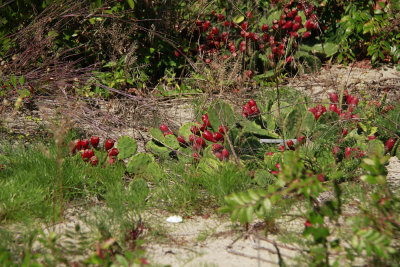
213 241
393 177
366 81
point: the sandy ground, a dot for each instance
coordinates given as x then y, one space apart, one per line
360 80
214 241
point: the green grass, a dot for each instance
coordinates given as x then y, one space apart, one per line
27 182
188 189
26 200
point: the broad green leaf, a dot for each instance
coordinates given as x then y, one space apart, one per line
185 129
249 213
369 179
157 134
13 80
252 128
328 49
254 196
235 214
157 149
21 80
209 166
292 123
131 4
110 64
139 163
267 204
375 147
221 114
121 260
285 109
238 19
153 170
127 147
272 16
185 154
171 141
269 122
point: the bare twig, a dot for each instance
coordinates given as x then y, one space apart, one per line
249 256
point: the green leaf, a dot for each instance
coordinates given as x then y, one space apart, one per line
171 141
127 147
131 4
235 214
243 215
292 122
275 15
267 204
110 64
396 56
209 165
251 127
267 74
21 80
221 114
253 195
157 134
328 49
249 213
13 80
374 57
153 170
238 19
249 146
139 163
121 260
269 122
375 147
225 209
157 149
184 130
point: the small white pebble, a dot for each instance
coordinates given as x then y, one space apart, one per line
174 219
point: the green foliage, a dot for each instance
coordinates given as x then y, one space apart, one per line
138 163
127 147
361 21
221 113
32 170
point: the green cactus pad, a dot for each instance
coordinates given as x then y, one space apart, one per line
127 147
138 163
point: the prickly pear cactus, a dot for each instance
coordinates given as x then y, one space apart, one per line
139 163
161 145
127 147
221 114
